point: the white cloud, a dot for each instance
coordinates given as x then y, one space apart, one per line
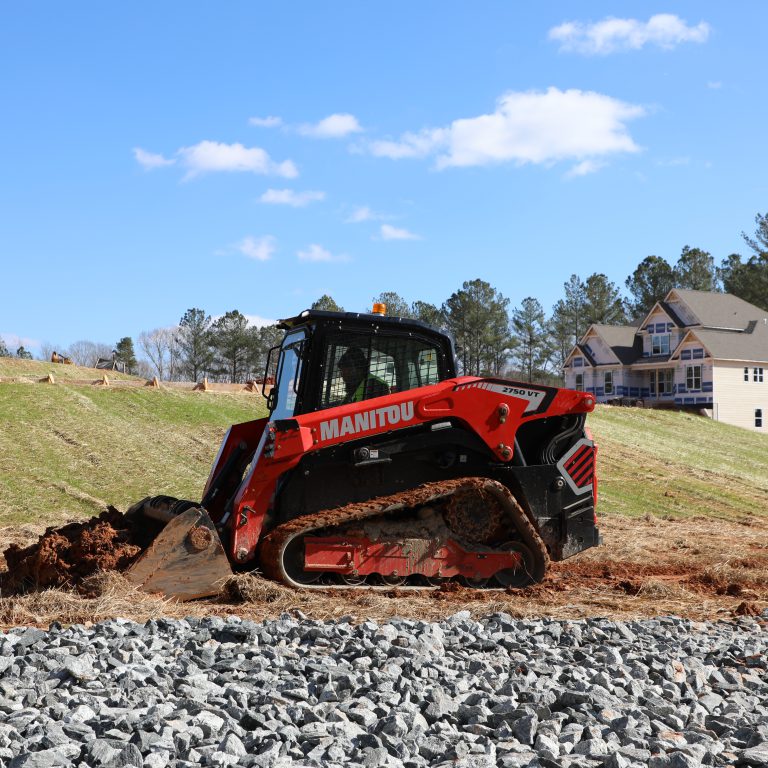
290 197
388 232
611 35
584 168
149 160
540 127
257 248
213 156
271 121
411 144
335 126
317 253
364 213
714 85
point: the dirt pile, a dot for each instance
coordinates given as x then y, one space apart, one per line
65 556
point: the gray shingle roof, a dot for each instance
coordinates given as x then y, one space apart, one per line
728 345
672 314
623 340
584 351
721 310
746 341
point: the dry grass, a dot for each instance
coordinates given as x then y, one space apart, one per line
641 571
11 367
115 596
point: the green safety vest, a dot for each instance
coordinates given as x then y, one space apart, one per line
359 394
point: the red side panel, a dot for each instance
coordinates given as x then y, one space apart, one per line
359 556
491 408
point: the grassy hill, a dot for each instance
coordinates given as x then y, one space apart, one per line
67 450
36 369
669 463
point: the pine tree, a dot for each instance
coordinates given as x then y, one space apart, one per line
529 329
232 343
23 354
695 270
326 303
650 282
396 305
574 305
427 313
561 336
124 353
477 316
749 279
603 303
194 343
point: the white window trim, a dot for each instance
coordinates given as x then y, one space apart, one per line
690 375
659 376
608 376
661 346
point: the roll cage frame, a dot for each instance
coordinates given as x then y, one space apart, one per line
320 328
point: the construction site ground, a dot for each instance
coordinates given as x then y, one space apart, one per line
683 509
700 567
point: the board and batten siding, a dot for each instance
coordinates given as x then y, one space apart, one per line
735 399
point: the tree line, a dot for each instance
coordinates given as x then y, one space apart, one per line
491 336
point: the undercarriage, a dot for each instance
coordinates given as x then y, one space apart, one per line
470 530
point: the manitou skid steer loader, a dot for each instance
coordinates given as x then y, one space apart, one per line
379 466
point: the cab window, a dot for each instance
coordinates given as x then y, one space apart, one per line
288 375
363 366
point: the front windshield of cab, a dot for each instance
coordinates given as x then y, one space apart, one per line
288 375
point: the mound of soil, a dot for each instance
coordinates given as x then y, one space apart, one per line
65 556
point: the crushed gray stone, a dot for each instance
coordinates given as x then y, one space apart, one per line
407 693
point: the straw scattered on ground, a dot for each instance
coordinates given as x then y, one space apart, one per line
693 567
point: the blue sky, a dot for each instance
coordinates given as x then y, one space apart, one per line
410 147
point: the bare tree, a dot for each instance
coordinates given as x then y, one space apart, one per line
87 353
144 369
47 349
161 348
174 354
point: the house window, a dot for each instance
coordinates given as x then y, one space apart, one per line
580 382
757 375
608 382
693 377
758 417
660 345
746 374
661 381
666 377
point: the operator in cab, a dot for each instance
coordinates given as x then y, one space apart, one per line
359 382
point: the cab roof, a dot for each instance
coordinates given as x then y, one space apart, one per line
312 315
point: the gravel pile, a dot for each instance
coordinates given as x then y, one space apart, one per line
294 692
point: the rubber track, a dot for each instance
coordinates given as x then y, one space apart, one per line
273 544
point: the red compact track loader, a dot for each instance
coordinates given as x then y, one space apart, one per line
379 466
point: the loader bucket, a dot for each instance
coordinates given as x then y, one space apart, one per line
186 560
